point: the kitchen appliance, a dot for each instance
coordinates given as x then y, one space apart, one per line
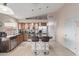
3 34
2 44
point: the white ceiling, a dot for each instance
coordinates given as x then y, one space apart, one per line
25 10
6 18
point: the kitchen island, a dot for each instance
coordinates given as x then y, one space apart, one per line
10 42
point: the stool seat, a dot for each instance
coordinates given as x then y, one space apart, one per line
35 38
45 38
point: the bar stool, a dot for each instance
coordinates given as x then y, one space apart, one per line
45 39
35 39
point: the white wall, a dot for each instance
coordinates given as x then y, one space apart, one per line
70 34
68 12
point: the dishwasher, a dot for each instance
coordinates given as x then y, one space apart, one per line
13 42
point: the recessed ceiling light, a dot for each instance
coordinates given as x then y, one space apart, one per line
32 9
47 7
39 8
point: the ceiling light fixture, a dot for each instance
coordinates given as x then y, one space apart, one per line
32 9
6 10
39 8
47 7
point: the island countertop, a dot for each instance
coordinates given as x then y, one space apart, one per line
11 35
8 37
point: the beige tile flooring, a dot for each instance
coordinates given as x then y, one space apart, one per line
25 49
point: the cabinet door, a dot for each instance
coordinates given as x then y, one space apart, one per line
25 37
21 38
17 39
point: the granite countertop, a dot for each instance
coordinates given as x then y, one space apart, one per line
11 35
8 37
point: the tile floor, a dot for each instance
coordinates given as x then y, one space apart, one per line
25 49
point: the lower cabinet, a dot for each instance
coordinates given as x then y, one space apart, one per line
25 37
11 43
19 39
4 46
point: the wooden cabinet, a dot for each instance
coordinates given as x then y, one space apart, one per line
19 39
25 37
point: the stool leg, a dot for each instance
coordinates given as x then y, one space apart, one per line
36 52
44 48
45 52
35 49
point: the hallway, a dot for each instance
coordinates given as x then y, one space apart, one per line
24 49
